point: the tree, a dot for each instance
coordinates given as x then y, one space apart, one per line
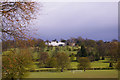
84 63
44 57
52 63
82 52
118 65
111 64
55 52
113 52
62 61
90 43
14 64
5 45
101 47
62 40
15 18
39 45
97 57
80 41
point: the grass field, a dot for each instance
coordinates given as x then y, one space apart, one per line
94 64
75 74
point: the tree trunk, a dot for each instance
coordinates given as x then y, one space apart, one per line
62 69
103 58
12 78
111 64
84 69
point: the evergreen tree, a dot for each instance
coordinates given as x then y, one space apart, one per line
82 52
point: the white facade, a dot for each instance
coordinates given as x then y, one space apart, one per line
54 43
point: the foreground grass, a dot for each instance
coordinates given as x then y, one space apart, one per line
75 74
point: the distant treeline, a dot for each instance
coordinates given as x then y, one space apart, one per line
89 47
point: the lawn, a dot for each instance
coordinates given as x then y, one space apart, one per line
61 49
99 64
74 74
94 64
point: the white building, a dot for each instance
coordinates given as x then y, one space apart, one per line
55 43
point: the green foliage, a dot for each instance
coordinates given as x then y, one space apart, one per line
113 51
15 64
84 63
55 52
90 43
82 52
44 58
62 40
101 47
62 61
52 63
97 57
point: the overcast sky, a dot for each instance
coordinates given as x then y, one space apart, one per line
92 20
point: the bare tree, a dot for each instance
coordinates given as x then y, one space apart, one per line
15 17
